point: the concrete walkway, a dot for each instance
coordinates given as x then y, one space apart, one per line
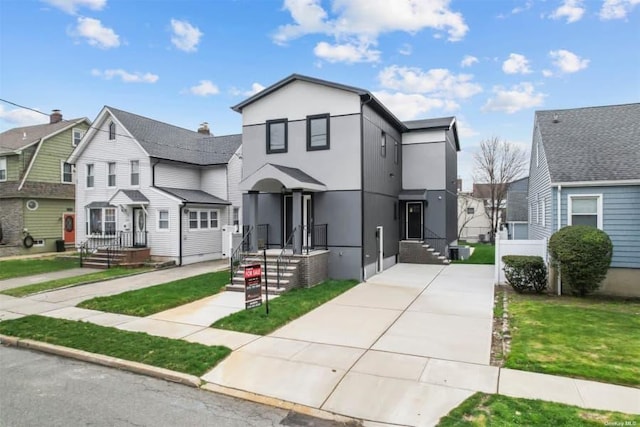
404 348
44 277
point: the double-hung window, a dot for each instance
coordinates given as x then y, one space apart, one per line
318 132
67 173
111 174
90 175
193 220
3 168
163 220
277 136
585 210
135 172
112 131
77 136
383 144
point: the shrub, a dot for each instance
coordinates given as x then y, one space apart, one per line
525 272
584 255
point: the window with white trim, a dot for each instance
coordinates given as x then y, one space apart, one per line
111 174
204 219
77 136
101 222
213 219
3 168
163 220
90 175
67 173
585 210
193 220
236 216
135 172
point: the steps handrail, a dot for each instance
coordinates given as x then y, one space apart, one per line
239 254
283 254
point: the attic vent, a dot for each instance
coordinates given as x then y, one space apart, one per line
555 118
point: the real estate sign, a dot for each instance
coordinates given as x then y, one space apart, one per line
253 286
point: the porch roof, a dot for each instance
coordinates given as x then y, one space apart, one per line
95 205
271 178
420 194
135 197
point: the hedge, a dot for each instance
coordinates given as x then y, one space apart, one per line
525 273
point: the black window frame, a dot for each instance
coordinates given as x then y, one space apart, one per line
112 131
396 152
286 136
383 144
327 144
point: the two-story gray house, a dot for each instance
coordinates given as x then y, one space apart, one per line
585 169
328 166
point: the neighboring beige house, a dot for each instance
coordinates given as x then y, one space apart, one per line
37 185
473 222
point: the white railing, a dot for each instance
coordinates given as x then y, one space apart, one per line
517 247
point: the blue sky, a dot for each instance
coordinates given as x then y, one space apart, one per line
489 63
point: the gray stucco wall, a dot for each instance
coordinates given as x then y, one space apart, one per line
436 212
451 206
269 212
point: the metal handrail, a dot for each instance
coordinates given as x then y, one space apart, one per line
283 254
240 253
316 236
109 243
263 236
439 244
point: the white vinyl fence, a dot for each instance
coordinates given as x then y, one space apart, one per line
517 247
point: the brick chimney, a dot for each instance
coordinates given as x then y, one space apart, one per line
55 116
204 129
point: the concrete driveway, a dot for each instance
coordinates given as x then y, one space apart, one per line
405 348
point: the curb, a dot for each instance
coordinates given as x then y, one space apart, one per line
99 359
279 403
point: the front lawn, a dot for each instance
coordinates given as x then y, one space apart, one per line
148 301
496 410
177 355
586 338
282 310
483 253
27 267
111 273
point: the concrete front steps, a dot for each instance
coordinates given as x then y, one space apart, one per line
419 252
130 257
288 274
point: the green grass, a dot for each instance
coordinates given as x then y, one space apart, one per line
148 301
177 355
483 253
26 267
289 306
496 410
586 338
111 273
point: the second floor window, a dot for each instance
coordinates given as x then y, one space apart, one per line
90 175
67 173
77 136
111 174
277 136
112 131
135 172
3 168
396 152
383 144
318 132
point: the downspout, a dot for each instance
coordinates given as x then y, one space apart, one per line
153 173
362 257
558 226
180 234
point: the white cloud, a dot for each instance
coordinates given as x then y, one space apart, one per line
349 53
410 106
518 97
406 49
365 20
96 34
547 73
204 88
125 76
71 6
568 62
617 9
464 129
22 117
570 9
185 36
521 9
439 82
468 61
516 64
255 88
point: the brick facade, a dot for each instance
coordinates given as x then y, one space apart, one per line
313 268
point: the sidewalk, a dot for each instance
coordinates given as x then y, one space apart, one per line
404 348
45 277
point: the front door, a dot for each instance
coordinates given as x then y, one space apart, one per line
139 228
414 220
307 219
69 227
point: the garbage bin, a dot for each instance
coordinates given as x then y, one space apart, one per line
60 246
454 253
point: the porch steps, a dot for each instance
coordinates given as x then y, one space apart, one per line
419 252
288 274
437 255
129 258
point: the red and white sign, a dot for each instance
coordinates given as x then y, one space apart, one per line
253 286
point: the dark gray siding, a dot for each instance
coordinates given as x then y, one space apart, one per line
451 205
269 212
436 218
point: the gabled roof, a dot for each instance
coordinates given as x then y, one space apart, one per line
164 141
20 138
591 144
364 94
194 196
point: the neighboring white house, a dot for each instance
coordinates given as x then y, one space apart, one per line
474 223
151 184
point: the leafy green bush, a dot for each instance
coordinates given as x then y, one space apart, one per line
525 273
583 254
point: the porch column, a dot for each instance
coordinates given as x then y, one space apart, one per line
296 216
252 220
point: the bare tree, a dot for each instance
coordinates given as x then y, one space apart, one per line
498 163
466 211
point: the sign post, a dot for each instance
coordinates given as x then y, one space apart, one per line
253 286
266 281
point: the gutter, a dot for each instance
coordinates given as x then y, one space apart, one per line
153 172
180 224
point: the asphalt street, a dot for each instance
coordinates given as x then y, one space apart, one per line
38 389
